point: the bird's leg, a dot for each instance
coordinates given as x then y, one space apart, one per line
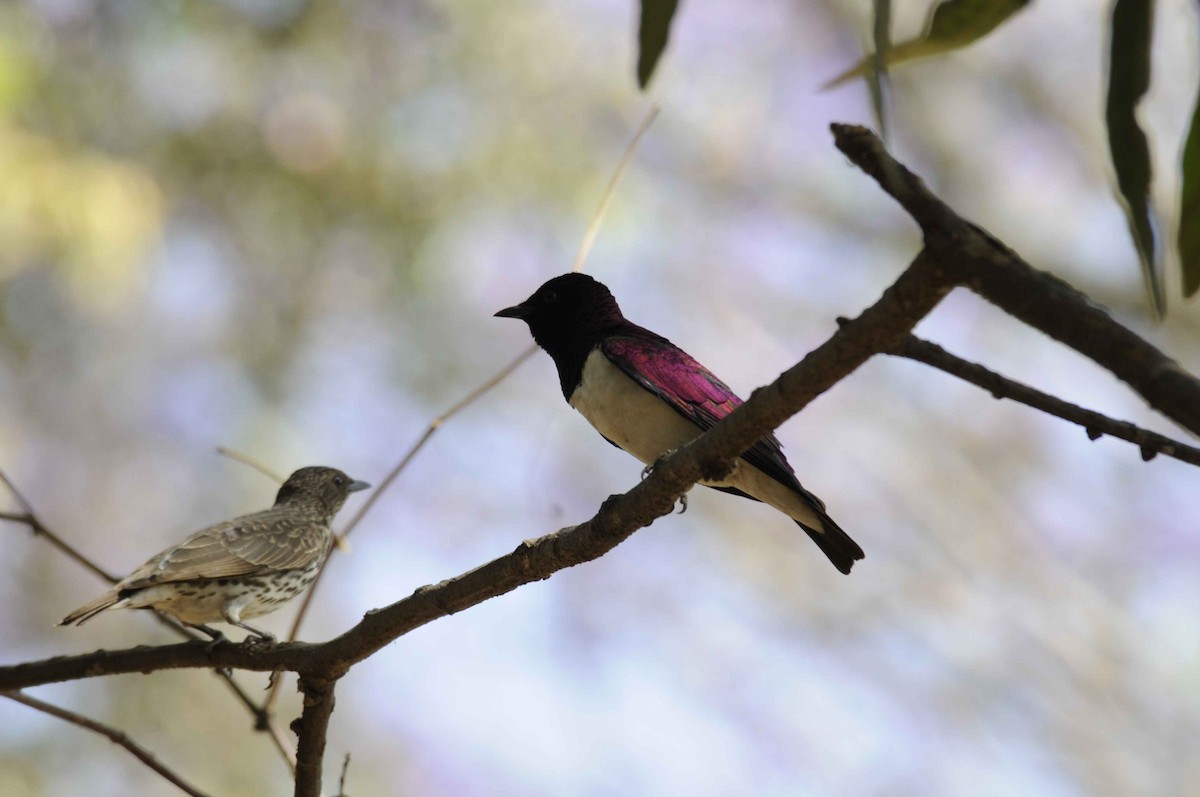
216 636
646 471
233 616
260 637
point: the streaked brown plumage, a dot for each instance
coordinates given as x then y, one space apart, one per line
242 568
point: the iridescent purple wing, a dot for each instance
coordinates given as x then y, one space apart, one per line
694 392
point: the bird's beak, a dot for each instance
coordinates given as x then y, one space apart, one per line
356 485
516 311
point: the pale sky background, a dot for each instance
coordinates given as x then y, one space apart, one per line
284 228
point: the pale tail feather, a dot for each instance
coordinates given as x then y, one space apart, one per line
90 609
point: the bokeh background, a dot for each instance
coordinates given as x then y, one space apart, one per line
283 227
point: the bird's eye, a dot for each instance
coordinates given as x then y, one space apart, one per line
339 481
549 297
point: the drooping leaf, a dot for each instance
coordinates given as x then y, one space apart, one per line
877 73
1189 208
952 24
653 31
1128 80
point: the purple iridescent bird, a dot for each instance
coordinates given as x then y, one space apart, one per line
647 396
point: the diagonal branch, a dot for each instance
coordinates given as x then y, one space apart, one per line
585 247
437 423
30 519
252 463
114 735
1001 387
880 328
989 268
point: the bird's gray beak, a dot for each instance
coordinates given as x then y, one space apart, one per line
356 485
516 311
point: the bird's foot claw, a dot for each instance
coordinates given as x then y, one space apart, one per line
646 471
683 503
261 638
272 679
217 637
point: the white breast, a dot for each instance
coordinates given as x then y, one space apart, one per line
627 413
647 427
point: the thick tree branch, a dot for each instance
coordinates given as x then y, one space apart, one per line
1002 387
311 728
295 656
988 267
114 735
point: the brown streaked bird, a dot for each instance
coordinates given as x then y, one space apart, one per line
242 568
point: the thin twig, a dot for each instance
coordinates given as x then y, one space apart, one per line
30 519
246 459
39 530
589 237
1002 387
264 720
12 488
342 779
412 452
114 735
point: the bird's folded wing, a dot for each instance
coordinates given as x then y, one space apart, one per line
695 393
258 544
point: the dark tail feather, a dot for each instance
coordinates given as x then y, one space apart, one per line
89 610
835 543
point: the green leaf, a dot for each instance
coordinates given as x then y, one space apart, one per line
1128 79
653 31
1189 208
952 24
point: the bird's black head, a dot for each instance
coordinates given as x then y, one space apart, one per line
568 314
327 486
